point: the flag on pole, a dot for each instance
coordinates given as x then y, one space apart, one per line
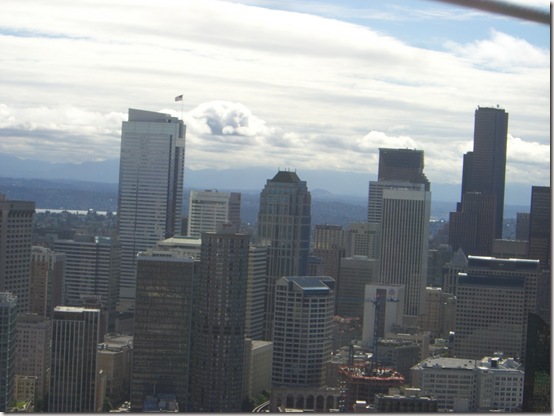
179 98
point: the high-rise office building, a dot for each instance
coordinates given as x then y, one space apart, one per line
522 226
150 195
540 233
34 348
8 340
363 240
405 244
163 325
484 173
209 208
219 322
356 272
302 338
92 267
16 225
472 225
494 297
75 338
329 245
284 223
47 278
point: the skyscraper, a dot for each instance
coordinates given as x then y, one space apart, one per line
284 223
8 311
302 340
209 208
540 233
484 172
92 268
75 338
405 244
219 323
47 274
163 327
150 189
494 298
16 224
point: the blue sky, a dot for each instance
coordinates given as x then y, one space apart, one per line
304 85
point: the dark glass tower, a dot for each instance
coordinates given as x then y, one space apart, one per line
485 167
539 226
284 223
217 360
402 165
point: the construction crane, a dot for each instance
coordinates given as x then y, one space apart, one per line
377 302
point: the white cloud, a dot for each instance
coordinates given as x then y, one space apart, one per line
264 87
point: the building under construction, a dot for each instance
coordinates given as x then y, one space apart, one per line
362 382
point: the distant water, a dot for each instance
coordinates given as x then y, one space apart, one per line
71 211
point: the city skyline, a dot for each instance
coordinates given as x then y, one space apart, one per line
290 85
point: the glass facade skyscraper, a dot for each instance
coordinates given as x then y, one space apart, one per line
150 199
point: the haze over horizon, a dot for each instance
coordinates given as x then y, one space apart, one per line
317 85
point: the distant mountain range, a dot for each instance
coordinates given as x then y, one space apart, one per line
320 182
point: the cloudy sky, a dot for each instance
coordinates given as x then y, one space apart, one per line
304 85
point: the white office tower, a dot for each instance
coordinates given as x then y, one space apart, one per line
302 334
150 189
405 244
209 208
384 309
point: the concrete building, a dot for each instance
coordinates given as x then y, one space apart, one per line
219 325
184 245
34 349
114 361
150 194
329 245
211 207
492 383
522 226
363 240
284 223
493 300
405 244
47 281
356 272
305 399
257 368
16 225
163 327
440 313
384 306
92 269
75 338
25 391
8 345
303 330
400 355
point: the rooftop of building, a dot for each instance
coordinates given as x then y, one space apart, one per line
446 363
312 283
286 176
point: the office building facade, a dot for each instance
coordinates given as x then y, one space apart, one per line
8 345
356 272
150 194
219 323
302 337
211 207
16 225
540 220
92 270
284 223
34 349
493 300
47 280
75 338
405 244
163 327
